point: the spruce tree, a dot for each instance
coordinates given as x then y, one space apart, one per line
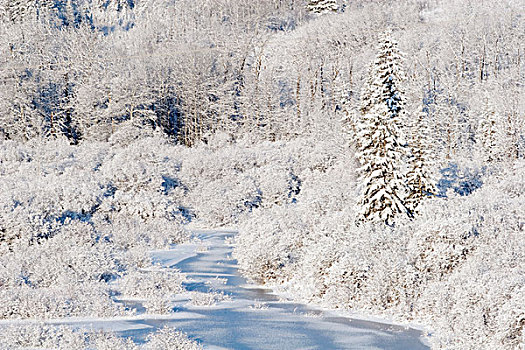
419 177
380 149
322 6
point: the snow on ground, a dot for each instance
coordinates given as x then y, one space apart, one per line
246 316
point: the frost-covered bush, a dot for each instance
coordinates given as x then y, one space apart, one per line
143 184
158 306
168 338
224 201
207 299
479 300
287 231
227 183
41 336
75 219
84 299
152 283
154 287
282 237
86 215
457 267
154 234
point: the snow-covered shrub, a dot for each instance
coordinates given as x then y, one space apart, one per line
272 241
85 299
282 238
207 299
41 336
168 338
151 284
128 133
74 255
143 183
477 299
225 200
159 233
73 219
225 184
158 306
102 340
457 267
277 184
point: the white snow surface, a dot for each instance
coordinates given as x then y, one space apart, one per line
252 317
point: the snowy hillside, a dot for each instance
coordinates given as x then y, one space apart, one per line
364 156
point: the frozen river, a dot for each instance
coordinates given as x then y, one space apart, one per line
252 317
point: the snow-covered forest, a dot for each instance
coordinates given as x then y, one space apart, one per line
371 154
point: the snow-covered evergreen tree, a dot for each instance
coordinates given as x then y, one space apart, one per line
419 176
380 148
322 6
